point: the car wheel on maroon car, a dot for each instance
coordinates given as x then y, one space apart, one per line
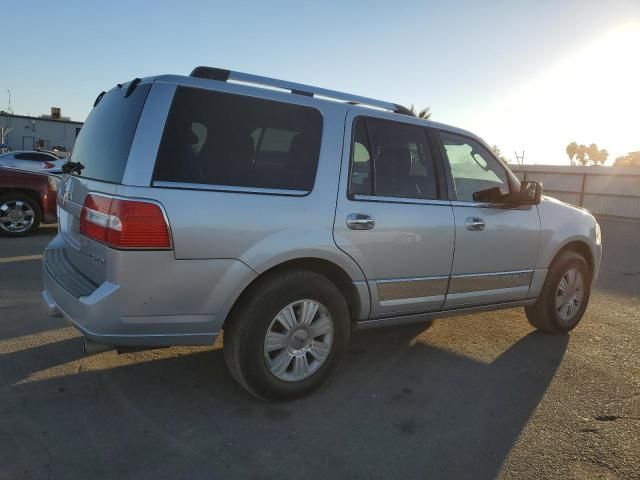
20 215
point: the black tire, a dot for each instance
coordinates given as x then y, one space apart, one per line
32 204
247 326
544 315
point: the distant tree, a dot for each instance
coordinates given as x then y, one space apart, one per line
425 113
585 156
498 153
572 150
581 155
631 159
604 154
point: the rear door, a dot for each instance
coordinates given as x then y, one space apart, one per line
496 244
102 148
390 217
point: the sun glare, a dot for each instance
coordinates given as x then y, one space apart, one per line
590 96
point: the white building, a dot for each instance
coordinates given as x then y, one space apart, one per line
23 132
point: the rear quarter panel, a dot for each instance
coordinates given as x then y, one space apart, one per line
34 184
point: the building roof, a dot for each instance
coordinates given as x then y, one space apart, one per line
7 114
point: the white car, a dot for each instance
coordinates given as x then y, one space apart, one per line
60 151
33 161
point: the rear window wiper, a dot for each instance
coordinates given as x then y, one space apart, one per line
72 167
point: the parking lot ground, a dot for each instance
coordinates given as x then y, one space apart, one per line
477 397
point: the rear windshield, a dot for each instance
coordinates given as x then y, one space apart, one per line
104 141
219 138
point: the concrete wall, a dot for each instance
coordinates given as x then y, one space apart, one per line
27 131
610 191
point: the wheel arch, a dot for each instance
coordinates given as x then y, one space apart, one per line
356 293
580 247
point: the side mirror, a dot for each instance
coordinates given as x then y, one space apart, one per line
530 194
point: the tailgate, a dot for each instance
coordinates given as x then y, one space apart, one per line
86 255
100 156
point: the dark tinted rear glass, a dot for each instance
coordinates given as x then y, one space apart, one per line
36 157
104 142
218 138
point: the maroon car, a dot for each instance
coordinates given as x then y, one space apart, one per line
26 200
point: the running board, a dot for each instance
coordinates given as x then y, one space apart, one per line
427 317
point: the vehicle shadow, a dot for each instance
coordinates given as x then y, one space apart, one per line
396 409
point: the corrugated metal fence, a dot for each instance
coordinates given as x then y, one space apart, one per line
610 191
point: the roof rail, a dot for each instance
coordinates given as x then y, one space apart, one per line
222 75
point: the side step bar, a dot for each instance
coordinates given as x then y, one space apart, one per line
427 317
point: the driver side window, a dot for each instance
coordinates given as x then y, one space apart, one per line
473 168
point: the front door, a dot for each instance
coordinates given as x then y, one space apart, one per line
28 143
496 245
390 218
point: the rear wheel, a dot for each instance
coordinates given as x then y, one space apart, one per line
287 335
19 215
564 296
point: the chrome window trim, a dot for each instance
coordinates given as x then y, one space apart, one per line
415 201
489 281
502 206
230 188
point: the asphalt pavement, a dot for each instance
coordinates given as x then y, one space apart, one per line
479 396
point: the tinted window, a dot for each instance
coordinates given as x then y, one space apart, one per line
35 157
104 142
402 165
218 138
473 168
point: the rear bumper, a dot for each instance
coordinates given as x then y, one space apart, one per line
125 314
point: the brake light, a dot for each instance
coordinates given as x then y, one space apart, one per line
48 165
125 224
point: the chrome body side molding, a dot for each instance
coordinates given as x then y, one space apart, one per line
489 281
426 317
411 288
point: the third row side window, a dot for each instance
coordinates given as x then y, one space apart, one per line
391 159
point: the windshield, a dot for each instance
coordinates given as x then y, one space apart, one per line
103 144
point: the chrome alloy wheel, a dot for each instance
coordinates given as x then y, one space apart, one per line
298 340
569 294
16 216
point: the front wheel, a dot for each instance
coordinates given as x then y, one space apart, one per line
287 335
564 296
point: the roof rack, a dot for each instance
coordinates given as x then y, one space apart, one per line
222 75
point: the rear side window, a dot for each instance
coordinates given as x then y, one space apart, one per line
104 141
391 159
219 138
35 157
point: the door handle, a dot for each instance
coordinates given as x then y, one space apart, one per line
360 221
474 224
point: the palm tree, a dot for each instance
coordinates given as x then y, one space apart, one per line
425 113
572 151
604 154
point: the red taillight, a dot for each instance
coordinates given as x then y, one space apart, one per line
48 165
124 224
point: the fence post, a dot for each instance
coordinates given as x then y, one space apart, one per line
584 180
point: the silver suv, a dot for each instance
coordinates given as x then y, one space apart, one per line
288 215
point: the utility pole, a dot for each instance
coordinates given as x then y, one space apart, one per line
9 109
519 158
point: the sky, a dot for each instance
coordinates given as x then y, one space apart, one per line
527 76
